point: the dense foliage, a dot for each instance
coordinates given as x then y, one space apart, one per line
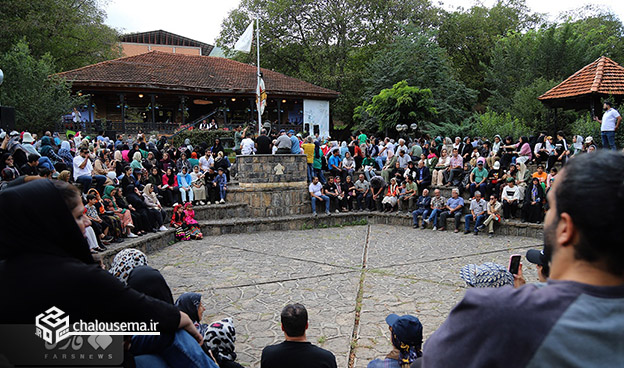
481 60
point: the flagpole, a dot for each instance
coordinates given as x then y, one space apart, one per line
258 97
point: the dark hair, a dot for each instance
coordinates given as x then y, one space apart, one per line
608 103
90 197
84 149
294 319
43 171
32 158
586 181
69 192
560 133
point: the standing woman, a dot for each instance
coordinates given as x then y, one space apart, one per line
67 277
318 162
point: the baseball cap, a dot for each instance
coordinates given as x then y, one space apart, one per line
509 180
291 132
589 139
536 256
407 329
282 131
488 274
496 165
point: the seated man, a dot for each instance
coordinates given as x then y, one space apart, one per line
438 204
478 207
330 190
478 179
494 215
363 191
83 172
316 194
296 351
423 207
577 318
411 194
454 207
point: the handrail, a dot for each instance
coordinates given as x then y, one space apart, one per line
193 123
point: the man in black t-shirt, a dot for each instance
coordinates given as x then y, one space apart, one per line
296 351
263 143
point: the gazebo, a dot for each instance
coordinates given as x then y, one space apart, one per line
584 90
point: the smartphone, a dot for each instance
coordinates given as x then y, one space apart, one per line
514 263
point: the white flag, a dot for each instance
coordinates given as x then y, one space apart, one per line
244 42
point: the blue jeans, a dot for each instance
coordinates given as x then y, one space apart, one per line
434 216
325 199
319 174
310 173
221 192
478 222
359 198
608 140
423 212
380 161
474 187
86 181
183 352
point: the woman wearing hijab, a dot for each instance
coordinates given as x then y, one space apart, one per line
222 162
170 186
182 163
110 204
577 145
532 205
317 165
47 151
154 206
217 147
166 163
126 261
67 276
66 155
406 336
194 161
219 336
136 161
140 227
152 218
7 162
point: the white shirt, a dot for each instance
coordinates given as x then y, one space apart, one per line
78 160
511 193
247 146
204 163
315 189
609 119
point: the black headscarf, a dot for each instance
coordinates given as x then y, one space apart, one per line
40 205
189 303
150 282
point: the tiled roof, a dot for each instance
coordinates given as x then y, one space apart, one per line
603 76
161 37
188 73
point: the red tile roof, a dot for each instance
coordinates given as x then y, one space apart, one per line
603 76
188 73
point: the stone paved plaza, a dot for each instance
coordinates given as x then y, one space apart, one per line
348 278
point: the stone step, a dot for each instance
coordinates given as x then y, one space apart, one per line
217 211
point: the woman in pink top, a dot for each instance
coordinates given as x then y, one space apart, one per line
524 154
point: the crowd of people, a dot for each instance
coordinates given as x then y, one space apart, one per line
125 183
502 178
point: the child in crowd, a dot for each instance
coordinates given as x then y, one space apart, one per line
551 178
192 226
99 226
220 182
177 221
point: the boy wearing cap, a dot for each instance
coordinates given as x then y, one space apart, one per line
406 334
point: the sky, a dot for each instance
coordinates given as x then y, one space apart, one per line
201 20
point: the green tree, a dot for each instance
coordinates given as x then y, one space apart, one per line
415 57
400 104
327 43
72 32
39 100
469 36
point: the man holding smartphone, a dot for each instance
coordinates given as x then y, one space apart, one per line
577 319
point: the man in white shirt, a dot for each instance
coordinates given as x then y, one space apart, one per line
83 172
316 194
609 123
511 197
205 162
247 145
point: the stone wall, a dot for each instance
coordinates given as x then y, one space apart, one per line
286 200
271 171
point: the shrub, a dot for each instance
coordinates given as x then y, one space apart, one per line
202 136
492 123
